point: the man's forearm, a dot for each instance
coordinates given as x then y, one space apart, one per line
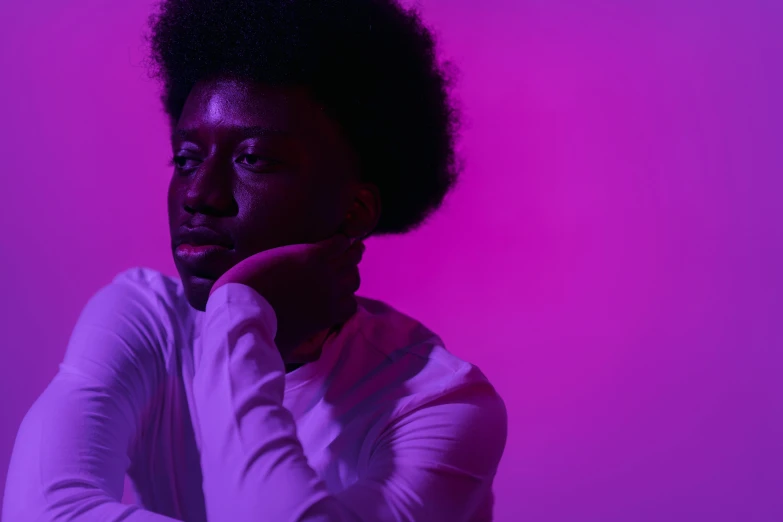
253 463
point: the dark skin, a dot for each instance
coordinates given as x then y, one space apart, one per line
265 167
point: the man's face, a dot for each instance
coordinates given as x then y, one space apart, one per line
262 167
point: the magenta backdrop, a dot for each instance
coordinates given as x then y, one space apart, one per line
612 259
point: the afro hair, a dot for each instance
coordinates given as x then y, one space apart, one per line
371 63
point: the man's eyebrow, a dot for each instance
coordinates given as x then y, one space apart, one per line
255 131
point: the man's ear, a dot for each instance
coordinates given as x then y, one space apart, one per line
364 211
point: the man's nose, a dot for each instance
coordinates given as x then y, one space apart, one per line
210 190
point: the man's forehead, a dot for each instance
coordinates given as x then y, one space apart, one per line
237 104
185 132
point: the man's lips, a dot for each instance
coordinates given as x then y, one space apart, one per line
186 250
204 261
201 237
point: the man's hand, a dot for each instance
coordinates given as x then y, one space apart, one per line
311 287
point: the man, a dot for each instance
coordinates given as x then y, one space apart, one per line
257 387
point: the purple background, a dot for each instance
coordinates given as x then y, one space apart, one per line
612 259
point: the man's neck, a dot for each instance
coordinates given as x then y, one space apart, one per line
307 352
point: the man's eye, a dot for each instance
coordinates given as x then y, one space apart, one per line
184 162
251 160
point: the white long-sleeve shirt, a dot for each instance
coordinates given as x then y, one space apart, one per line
196 408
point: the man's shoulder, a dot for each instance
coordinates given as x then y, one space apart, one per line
150 282
143 301
160 292
406 342
392 332
130 322
423 372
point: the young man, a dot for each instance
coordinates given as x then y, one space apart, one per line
257 387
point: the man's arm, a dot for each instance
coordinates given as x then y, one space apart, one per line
435 463
71 451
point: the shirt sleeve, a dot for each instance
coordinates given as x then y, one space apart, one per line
72 448
435 463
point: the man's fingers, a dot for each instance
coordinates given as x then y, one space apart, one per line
349 281
352 256
334 246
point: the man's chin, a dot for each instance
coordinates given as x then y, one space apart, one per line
197 290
